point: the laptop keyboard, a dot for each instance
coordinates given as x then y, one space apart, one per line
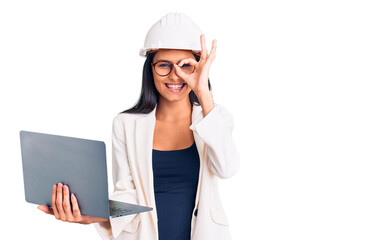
118 211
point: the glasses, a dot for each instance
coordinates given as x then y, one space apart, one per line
164 67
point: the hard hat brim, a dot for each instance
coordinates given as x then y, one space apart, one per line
143 52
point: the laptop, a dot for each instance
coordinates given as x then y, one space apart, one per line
78 163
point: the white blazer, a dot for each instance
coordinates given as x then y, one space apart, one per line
132 143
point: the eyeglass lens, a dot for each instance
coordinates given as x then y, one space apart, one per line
164 68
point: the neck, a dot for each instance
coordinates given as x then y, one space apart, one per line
171 111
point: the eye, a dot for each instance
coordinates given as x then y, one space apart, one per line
186 65
163 65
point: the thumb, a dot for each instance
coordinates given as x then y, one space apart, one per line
45 209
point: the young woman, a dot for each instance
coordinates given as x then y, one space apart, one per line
170 148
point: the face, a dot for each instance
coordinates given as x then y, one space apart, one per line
168 85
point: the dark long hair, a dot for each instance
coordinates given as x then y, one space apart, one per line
149 96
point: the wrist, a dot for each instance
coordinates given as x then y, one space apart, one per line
206 101
202 92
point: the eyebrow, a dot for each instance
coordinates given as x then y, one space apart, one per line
164 60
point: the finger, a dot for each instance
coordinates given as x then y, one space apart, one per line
66 204
45 209
203 47
180 73
59 198
212 54
75 208
54 194
190 61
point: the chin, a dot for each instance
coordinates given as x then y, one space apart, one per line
175 98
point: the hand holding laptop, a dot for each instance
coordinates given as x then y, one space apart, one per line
79 164
63 210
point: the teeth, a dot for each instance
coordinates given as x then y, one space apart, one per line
176 86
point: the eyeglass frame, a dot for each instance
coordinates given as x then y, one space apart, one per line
171 67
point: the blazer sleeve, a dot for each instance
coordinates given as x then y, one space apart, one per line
215 129
124 187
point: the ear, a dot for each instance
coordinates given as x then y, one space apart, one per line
197 53
152 51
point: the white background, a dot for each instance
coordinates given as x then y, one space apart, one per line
308 84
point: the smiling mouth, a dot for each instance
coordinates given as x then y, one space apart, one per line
175 86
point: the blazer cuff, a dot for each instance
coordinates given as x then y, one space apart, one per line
125 223
128 223
216 120
215 129
103 232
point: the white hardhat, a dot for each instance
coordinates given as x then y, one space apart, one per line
173 31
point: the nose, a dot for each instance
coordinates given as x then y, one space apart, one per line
172 76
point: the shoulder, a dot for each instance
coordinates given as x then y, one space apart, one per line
220 110
127 118
221 113
225 113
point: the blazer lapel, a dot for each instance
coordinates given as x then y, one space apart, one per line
144 129
196 117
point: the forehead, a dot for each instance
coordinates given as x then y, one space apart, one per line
173 55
